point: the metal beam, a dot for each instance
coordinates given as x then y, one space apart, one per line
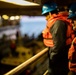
20 11
59 2
11 9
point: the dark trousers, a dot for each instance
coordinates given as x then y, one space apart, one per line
58 63
58 71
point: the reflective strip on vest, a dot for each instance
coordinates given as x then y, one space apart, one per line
72 67
48 42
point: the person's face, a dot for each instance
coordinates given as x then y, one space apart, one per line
47 16
74 24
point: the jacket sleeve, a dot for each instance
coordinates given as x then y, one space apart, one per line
58 31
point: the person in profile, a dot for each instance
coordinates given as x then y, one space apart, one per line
72 49
55 37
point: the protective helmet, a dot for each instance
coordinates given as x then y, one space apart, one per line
72 11
48 7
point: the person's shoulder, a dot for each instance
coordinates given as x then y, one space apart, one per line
59 21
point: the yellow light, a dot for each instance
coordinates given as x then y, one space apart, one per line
5 17
17 17
12 18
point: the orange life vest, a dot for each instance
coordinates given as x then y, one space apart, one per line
47 37
72 56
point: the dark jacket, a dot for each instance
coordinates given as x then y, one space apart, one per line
58 52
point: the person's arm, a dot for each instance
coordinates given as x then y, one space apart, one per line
58 31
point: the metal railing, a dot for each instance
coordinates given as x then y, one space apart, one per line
26 63
46 72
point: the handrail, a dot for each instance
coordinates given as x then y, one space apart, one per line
46 72
26 63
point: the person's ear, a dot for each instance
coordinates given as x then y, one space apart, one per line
49 13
